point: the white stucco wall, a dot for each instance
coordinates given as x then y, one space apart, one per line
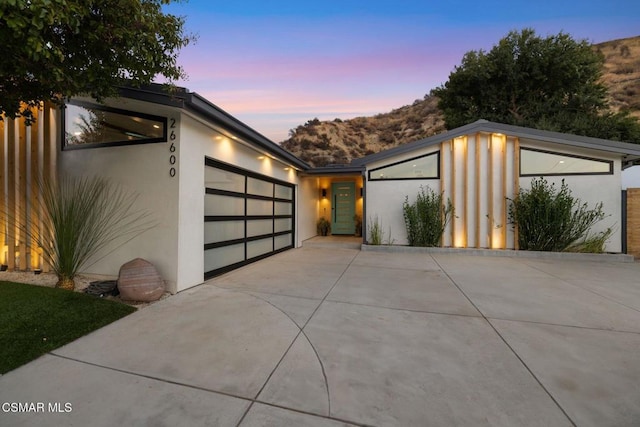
384 199
144 170
593 189
200 140
307 209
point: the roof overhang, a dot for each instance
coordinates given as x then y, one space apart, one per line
335 170
192 102
630 153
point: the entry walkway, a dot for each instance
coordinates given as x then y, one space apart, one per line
335 337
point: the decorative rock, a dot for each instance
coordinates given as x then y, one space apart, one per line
140 281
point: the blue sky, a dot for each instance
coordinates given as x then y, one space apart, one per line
276 64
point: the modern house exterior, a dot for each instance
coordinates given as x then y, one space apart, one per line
221 195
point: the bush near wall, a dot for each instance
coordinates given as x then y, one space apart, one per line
551 219
426 218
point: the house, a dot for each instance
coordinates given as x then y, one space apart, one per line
222 195
481 165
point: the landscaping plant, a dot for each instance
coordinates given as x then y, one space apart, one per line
426 218
549 219
83 218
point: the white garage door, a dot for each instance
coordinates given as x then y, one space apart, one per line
247 217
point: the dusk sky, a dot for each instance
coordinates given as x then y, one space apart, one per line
276 64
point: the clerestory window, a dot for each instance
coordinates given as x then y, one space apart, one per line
423 167
539 162
89 125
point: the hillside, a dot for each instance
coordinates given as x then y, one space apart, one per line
322 143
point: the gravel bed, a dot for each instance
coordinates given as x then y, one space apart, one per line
82 281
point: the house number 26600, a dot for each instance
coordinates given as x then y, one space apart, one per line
172 148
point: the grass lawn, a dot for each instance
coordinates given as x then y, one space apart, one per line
35 320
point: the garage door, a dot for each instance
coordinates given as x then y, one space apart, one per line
247 217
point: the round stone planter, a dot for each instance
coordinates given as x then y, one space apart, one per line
140 281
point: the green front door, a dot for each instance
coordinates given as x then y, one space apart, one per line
343 207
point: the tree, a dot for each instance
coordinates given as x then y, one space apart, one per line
56 49
550 83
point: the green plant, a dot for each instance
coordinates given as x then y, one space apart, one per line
375 234
323 226
358 222
426 218
83 218
591 244
548 219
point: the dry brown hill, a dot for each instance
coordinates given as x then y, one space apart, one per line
322 143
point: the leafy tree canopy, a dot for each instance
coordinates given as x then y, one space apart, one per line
55 49
550 83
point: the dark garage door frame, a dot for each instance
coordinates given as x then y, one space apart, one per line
246 217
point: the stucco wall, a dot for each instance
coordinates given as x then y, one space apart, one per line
593 189
144 170
200 140
307 208
384 199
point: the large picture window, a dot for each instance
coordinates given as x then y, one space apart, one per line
89 125
538 162
423 167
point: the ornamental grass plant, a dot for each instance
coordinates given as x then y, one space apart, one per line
551 219
85 219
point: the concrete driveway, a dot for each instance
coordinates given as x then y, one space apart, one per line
335 337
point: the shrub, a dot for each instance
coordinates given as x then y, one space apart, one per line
426 218
549 219
85 219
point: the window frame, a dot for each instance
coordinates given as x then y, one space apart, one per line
94 106
437 175
574 156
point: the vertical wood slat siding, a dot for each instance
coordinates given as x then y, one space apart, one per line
504 191
516 183
633 221
25 153
11 143
3 195
479 180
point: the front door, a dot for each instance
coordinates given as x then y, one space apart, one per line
343 208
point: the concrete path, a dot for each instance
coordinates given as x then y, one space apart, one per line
337 337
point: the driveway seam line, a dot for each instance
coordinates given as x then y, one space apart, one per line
589 328
410 310
208 390
584 289
326 385
302 332
506 343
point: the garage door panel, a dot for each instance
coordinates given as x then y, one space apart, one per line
217 258
259 227
220 179
220 231
215 204
248 216
259 207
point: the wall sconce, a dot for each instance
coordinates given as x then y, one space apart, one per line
361 191
324 193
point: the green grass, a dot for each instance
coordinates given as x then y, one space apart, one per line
35 320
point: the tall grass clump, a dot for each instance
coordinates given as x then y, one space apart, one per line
376 234
426 218
84 217
551 219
